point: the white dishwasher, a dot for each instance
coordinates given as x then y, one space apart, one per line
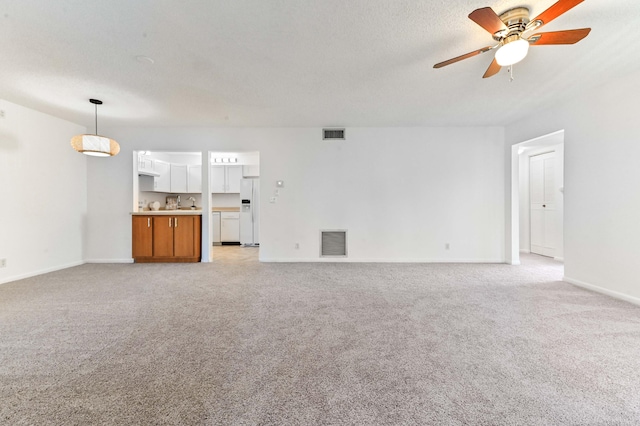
230 227
215 226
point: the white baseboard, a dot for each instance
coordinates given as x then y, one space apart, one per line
525 251
40 272
108 260
559 259
602 290
377 260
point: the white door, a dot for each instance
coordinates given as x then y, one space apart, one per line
542 203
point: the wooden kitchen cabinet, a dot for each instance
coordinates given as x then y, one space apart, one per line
164 238
142 236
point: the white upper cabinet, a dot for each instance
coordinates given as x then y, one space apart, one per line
252 170
226 179
218 179
178 178
194 179
162 183
145 165
234 175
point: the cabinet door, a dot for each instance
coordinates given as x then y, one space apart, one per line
162 236
234 175
145 163
179 178
215 226
162 183
230 227
194 179
251 170
142 236
218 181
183 236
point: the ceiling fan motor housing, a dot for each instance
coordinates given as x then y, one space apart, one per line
516 21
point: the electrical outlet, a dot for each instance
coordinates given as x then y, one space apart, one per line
446 246
272 200
1 114
3 263
297 246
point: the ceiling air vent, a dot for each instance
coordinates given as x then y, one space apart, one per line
333 134
333 243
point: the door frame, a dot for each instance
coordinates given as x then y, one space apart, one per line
550 142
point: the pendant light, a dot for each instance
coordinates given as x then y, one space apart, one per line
95 145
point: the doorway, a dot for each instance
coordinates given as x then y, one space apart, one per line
234 182
537 208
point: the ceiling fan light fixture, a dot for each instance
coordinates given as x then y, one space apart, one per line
512 51
95 145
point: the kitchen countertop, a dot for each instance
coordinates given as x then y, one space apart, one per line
225 209
197 212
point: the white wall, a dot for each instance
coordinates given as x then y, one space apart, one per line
401 192
43 192
602 176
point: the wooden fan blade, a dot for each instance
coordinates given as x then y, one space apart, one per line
556 10
461 57
493 69
559 37
487 19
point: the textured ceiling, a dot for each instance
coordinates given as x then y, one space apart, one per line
294 62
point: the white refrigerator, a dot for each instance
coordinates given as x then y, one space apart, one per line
250 212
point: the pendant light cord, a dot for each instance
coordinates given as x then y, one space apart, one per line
96 105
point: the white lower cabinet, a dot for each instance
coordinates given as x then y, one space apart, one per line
215 226
230 227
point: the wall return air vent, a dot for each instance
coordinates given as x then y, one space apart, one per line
333 243
333 134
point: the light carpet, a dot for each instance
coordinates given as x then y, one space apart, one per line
244 343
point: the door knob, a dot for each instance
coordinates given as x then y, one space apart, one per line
544 205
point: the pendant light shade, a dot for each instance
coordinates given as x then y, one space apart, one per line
95 145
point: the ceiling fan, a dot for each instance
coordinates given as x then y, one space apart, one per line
510 31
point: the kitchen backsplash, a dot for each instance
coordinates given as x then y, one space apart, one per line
225 200
149 197
217 200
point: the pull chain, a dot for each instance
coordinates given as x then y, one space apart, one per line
510 69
